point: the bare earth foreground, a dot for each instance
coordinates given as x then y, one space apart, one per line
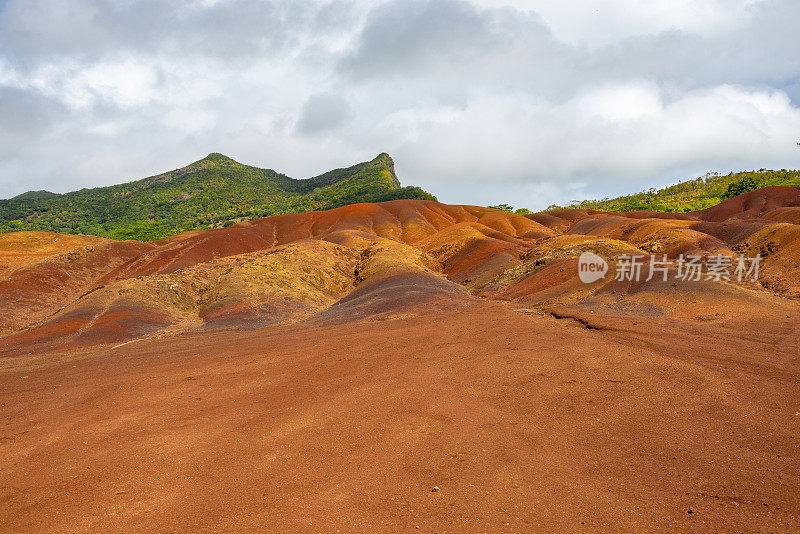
401 366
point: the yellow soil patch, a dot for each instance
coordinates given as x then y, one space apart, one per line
21 249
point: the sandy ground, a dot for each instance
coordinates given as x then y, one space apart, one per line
524 422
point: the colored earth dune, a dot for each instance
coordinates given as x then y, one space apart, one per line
326 370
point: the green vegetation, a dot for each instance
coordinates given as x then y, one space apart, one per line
141 231
748 183
503 207
213 192
692 195
510 209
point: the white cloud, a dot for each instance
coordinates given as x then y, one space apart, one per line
323 112
594 23
614 134
483 102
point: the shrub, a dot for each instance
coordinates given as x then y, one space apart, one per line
748 183
503 207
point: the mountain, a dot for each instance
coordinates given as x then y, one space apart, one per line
693 195
35 195
212 192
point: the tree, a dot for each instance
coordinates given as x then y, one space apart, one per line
748 183
503 207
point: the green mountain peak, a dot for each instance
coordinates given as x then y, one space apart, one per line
211 192
222 159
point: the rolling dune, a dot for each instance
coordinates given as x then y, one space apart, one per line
400 366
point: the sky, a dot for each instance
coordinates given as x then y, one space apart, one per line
529 103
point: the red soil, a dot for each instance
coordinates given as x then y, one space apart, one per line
524 423
753 204
326 371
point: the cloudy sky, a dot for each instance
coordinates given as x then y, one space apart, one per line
483 101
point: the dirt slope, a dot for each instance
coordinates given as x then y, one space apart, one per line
327 371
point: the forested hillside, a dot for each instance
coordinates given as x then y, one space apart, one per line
693 195
215 191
